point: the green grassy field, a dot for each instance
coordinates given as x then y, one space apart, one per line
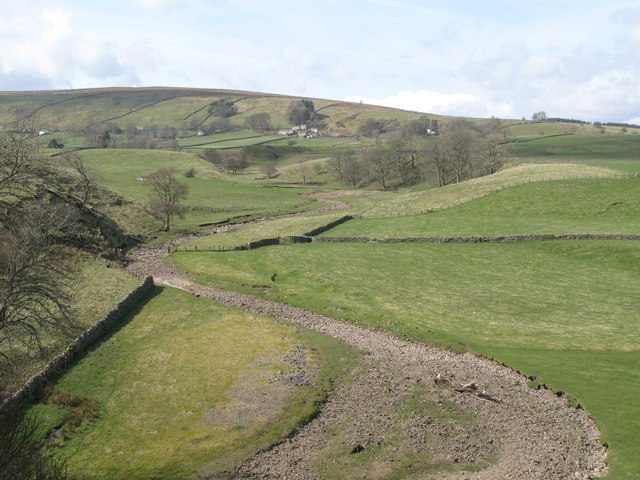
214 139
580 147
572 299
631 166
250 233
531 129
554 207
565 311
160 378
210 198
450 195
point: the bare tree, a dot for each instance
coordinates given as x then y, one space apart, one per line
539 116
167 194
303 171
86 184
352 171
491 155
234 162
269 169
211 155
404 159
460 143
20 167
33 292
259 122
436 161
379 164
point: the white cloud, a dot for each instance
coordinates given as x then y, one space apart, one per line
59 25
634 121
50 53
609 95
539 67
157 4
464 104
634 38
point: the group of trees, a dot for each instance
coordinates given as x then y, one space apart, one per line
458 151
300 111
223 108
464 151
259 122
232 162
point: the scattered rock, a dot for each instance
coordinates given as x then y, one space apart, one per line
534 435
357 448
440 380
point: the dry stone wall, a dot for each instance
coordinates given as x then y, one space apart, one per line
496 239
77 347
328 226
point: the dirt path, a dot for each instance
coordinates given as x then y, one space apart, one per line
505 430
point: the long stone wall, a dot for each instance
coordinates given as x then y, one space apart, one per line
77 347
496 239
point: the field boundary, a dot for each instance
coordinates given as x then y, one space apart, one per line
293 239
482 239
77 347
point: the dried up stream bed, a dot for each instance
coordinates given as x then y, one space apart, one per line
410 410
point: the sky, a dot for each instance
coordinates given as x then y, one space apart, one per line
504 58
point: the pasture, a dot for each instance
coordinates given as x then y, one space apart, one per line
167 384
250 233
187 386
524 303
412 203
614 146
209 199
551 207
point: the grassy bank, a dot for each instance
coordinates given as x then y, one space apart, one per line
162 379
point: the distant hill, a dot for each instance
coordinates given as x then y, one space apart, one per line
182 108
171 117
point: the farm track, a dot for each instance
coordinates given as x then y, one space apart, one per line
517 432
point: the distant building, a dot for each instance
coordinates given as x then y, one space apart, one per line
286 131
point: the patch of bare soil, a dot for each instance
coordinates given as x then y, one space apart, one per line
412 410
258 396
